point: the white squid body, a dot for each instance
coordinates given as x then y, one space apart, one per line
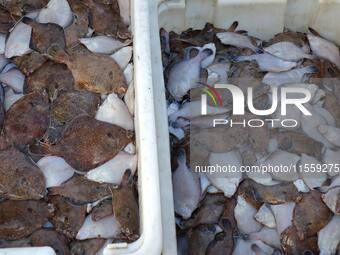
113 110
58 12
324 49
113 170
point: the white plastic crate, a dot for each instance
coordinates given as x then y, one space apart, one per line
261 18
150 241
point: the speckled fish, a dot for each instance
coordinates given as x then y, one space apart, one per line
86 247
297 75
106 19
87 143
32 110
257 194
67 218
80 25
268 62
19 219
287 51
51 238
20 179
30 62
79 190
323 48
308 222
237 40
93 72
45 35
68 106
51 77
125 207
291 244
298 143
209 211
200 238
20 7
102 210
6 20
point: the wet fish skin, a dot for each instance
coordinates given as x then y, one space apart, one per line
308 222
67 218
66 107
291 244
19 219
51 77
268 62
28 63
257 194
106 19
81 191
97 73
86 247
45 35
237 40
288 77
324 49
184 75
51 238
20 7
287 51
32 110
79 27
87 143
125 207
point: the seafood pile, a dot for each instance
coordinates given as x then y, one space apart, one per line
67 150
252 212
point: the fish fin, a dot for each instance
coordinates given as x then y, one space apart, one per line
313 31
56 53
233 26
54 190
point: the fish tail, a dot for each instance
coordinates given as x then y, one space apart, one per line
54 191
233 26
